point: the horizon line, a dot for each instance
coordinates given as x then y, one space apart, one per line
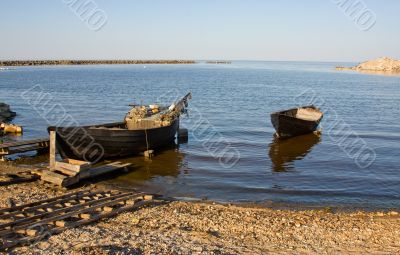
174 59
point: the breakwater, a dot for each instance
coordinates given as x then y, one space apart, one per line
91 62
219 62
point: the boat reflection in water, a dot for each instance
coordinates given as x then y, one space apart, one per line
145 173
283 153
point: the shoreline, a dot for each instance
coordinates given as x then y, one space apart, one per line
91 62
206 227
30 163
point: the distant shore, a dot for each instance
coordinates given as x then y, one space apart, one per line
382 65
91 62
219 62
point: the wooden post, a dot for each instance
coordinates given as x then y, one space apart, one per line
149 153
52 150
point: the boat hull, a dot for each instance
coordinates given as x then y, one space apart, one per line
95 143
287 125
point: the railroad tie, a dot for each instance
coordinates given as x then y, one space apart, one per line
25 224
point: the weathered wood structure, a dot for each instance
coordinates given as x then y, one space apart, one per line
66 178
70 171
28 223
121 139
9 148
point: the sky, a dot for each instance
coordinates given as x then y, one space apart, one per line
283 30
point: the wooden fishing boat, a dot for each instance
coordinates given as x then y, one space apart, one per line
296 121
112 140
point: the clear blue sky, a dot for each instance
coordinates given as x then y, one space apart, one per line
315 30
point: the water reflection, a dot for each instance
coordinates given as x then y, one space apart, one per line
283 153
167 162
10 138
379 73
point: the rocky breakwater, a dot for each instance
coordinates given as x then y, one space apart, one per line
380 65
5 112
92 62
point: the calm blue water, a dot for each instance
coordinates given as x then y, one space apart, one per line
230 110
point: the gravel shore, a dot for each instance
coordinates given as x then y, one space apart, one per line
208 228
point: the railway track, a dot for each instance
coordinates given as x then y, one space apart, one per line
29 223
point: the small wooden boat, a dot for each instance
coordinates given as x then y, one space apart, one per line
297 121
132 136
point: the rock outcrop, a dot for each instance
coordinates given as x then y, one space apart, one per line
5 112
385 64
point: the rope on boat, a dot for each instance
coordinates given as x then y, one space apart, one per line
147 142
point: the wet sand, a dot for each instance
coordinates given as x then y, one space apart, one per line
209 228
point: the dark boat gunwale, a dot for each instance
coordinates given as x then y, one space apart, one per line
106 125
282 113
288 123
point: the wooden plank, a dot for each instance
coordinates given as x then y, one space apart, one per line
76 162
3 151
85 216
15 150
21 143
21 147
93 172
74 166
68 177
67 172
107 209
69 181
65 166
61 223
53 177
24 149
52 150
148 197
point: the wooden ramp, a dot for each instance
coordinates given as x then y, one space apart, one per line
9 148
29 223
66 177
68 172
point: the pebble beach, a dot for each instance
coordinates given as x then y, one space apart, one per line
178 227
199 127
